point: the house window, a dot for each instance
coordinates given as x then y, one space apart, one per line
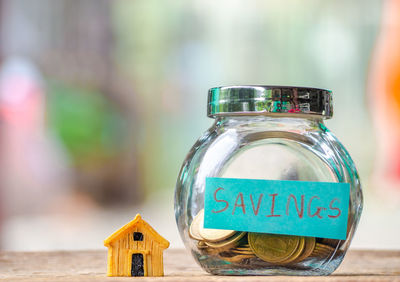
137 236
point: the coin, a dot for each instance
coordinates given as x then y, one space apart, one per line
271 247
322 250
319 246
320 254
297 253
195 226
243 248
228 243
240 251
213 235
330 242
201 245
238 258
198 232
308 249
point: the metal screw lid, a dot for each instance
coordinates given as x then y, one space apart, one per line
269 100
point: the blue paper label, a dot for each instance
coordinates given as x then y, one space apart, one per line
302 208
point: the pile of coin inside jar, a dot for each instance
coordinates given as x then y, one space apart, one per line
252 248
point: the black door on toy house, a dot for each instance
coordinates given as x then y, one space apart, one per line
137 268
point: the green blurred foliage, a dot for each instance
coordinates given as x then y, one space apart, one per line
86 121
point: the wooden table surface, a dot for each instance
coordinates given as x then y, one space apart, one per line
179 266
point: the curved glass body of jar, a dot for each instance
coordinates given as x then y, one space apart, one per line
265 147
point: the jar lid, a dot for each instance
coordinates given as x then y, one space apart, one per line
269 100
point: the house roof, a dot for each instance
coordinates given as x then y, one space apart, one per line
137 221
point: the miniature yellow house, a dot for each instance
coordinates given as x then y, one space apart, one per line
136 249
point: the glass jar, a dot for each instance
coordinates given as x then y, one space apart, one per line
273 133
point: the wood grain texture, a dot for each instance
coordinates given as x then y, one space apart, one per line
179 266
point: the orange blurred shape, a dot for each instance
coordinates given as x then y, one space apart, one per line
384 89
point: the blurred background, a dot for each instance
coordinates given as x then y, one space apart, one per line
100 101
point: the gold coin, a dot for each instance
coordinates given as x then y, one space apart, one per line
308 249
213 235
243 248
195 226
238 258
322 250
201 245
297 253
246 246
273 248
320 254
236 251
228 243
317 253
330 242
319 246
243 251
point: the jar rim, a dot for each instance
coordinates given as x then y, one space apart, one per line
269 100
